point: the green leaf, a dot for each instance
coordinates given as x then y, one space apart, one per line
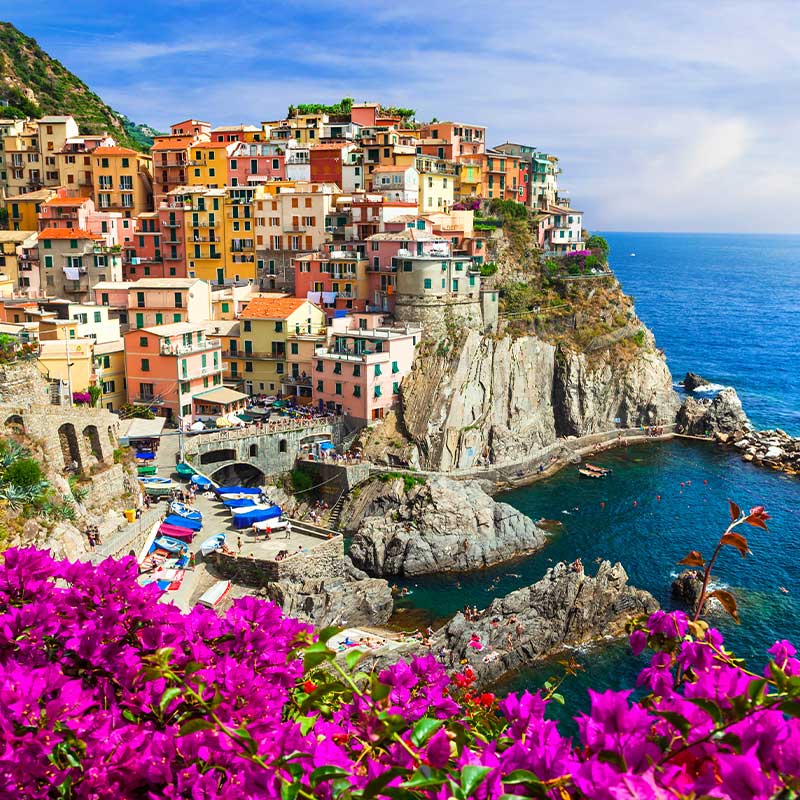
307 723
376 784
421 781
352 658
194 725
709 706
676 720
472 776
379 691
790 707
289 791
524 777
321 774
168 696
424 729
327 633
315 654
756 691
559 698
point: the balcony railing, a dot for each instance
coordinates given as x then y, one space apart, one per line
185 349
258 355
148 400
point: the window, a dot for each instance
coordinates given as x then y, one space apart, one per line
248 366
247 326
378 391
159 319
356 370
178 300
377 370
395 368
140 320
278 327
395 388
125 163
145 365
176 317
356 391
427 283
320 386
226 307
48 261
294 349
186 387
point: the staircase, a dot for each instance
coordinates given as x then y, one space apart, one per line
336 512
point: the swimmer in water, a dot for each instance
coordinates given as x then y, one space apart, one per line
784 589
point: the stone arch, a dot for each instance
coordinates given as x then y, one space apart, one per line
238 474
252 451
91 437
70 449
16 423
283 446
213 456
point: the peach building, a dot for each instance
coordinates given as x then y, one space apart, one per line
168 365
161 301
360 370
335 281
122 180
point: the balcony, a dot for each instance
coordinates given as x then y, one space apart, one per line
257 355
175 224
187 349
243 259
148 400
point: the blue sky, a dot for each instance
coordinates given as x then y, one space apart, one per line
666 116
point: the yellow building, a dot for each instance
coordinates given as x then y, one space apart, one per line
23 163
9 261
109 367
436 191
469 180
67 359
23 209
208 164
240 234
266 325
204 233
122 180
227 331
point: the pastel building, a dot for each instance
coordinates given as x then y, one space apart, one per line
252 163
168 365
397 182
162 301
74 162
459 138
264 346
122 180
12 264
360 370
23 209
335 280
563 230
208 164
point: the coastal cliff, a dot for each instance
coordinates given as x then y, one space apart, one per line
477 399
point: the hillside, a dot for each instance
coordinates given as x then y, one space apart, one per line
34 84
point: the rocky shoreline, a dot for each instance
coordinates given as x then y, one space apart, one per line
770 448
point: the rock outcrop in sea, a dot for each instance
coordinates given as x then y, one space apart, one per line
692 381
565 608
769 448
706 416
441 525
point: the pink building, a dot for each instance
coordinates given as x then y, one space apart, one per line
143 257
168 365
335 280
360 370
252 163
370 214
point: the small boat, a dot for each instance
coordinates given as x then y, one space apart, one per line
248 509
184 470
170 544
183 522
237 490
146 470
145 455
155 480
212 543
176 531
201 481
211 597
587 473
183 510
633 255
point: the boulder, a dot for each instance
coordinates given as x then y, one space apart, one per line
440 526
693 381
565 608
722 413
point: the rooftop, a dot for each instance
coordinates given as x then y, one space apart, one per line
161 283
173 329
220 395
39 194
69 233
272 307
115 151
66 201
172 142
406 235
14 236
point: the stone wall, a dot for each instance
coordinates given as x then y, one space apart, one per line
272 452
324 560
334 479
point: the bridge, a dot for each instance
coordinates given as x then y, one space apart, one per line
251 453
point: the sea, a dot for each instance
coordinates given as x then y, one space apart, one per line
728 308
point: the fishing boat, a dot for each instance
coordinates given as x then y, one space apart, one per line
201 482
240 502
588 473
155 480
184 470
182 510
212 543
170 544
211 597
176 531
237 490
247 520
183 522
146 470
247 509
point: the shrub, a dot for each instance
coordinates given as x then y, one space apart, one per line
638 338
487 269
301 480
25 473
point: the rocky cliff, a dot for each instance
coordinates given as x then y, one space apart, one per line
721 414
498 399
439 526
565 608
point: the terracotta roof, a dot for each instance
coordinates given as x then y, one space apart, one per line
172 142
67 233
271 307
114 151
330 145
391 169
211 145
66 201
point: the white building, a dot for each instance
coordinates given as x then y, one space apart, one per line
396 183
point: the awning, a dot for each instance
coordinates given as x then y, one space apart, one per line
141 428
327 446
220 395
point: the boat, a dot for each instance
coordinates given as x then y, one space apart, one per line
240 502
146 469
170 544
633 255
183 522
587 473
155 480
212 543
247 520
237 490
182 510
145 455
159 489
201 481
247 509
211 597
176 531
184 470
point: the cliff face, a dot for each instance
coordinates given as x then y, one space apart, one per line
499 399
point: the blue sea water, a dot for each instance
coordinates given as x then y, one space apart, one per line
726 307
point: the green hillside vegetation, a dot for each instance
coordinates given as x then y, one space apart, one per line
32 84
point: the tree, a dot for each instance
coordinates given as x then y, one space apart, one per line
595 242
25 472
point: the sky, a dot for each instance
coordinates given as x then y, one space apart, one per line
671 116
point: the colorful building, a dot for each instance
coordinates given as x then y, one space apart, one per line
264 347
336 280
397 183
461 139
162 301
208 164
23 209
167 365
122 180
12 264
359 371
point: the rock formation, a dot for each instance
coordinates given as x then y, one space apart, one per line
439 526
565 608
693 381
770 448
720 414
499 399
352 598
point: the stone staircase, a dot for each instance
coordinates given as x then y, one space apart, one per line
336 512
